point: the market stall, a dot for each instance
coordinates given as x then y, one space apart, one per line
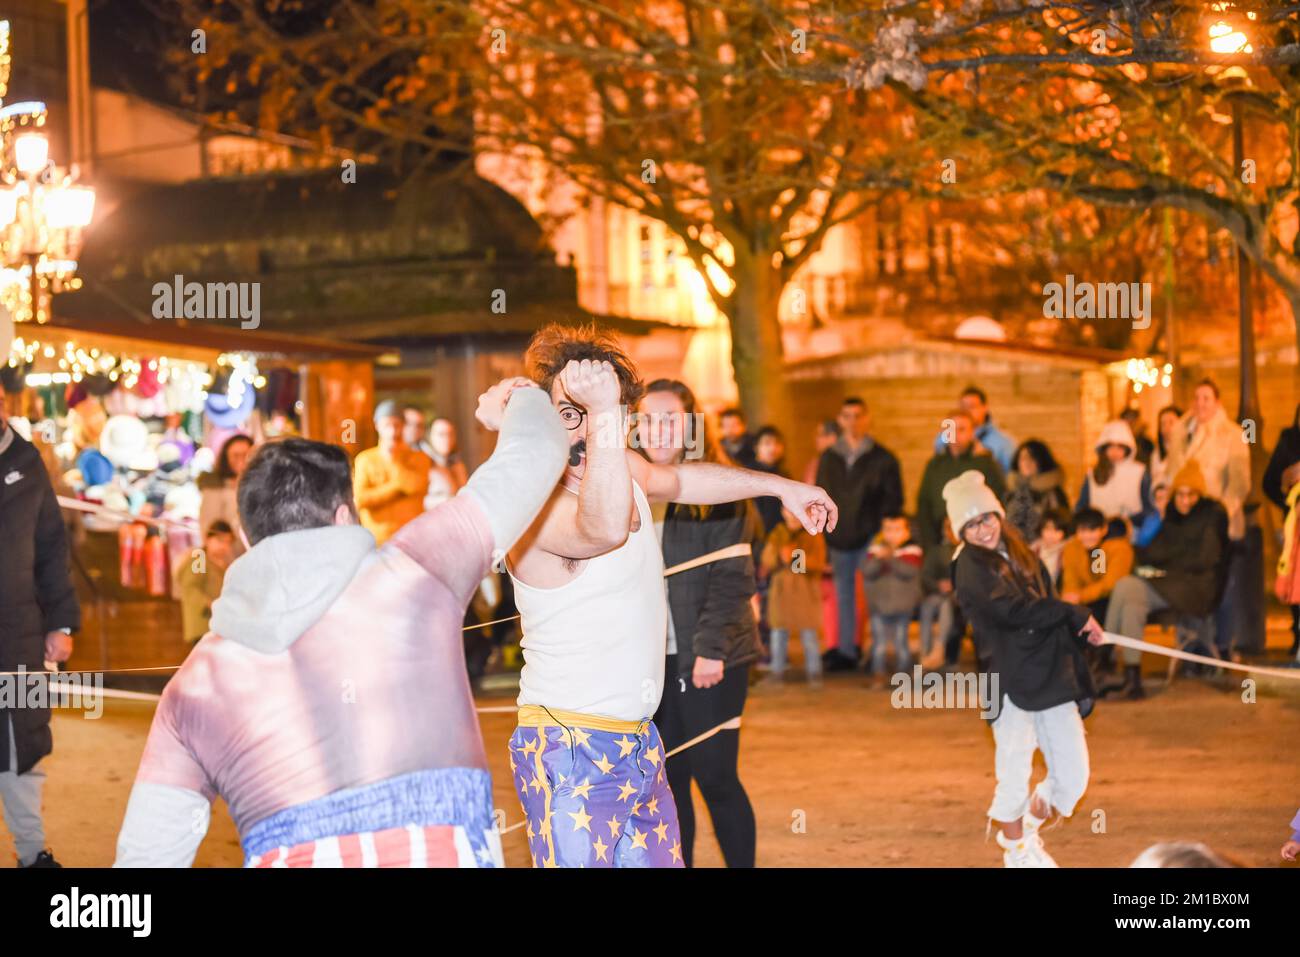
132 420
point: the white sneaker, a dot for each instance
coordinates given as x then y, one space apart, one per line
1016 853
1031 826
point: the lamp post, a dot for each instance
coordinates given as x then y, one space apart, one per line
1227 39
42 214
1243 603
42 209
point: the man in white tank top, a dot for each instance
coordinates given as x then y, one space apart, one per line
586 759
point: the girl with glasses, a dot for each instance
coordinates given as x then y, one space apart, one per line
1032 643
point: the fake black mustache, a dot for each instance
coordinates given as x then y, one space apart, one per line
576 452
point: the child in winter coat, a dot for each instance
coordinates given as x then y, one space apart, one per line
1031 639
795 562
198 579
1091 566
891 571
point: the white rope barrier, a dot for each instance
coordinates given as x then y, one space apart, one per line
117 515
1292 674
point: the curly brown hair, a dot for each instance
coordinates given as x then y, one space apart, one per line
555 346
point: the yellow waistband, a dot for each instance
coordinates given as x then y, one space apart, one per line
536 716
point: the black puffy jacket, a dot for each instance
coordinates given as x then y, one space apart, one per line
1192 551
713 614
1030 639
36 594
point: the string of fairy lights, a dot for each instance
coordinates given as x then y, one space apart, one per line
1146 374
71 362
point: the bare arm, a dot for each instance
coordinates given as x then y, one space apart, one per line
708 483
598 518
604 512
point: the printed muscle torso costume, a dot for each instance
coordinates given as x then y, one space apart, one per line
362 725
586 759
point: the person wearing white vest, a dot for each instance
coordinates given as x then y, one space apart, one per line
1119 486
1208 437
586 759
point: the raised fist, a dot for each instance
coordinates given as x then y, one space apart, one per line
492 403
591 384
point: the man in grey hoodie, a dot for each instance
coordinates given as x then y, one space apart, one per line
329 706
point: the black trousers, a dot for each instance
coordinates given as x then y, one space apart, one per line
687 711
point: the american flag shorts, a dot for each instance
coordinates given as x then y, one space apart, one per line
440 845
434 818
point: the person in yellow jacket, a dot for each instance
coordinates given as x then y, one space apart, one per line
389 481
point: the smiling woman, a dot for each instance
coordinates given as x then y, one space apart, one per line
712 635
1029 638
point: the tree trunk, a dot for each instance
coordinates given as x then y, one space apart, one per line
756 351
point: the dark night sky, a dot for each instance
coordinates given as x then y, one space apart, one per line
128 39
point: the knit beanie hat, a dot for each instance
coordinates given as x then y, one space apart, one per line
1190 476
968 497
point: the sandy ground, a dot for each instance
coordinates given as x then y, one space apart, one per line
839 777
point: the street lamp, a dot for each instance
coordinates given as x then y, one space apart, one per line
42 210
1228 39
1248 555
42 214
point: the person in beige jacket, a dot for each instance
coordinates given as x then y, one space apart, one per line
1208 437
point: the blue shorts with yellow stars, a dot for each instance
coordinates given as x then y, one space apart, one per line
594 791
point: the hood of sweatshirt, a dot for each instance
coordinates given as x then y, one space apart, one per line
284 584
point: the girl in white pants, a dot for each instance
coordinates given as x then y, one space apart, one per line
1032 642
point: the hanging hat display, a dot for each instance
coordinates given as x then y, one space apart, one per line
124 439
86 422
178 450
144 461
146 384
184 389
95 468
119 402
230 401
98 384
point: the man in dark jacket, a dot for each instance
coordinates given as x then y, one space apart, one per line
865 482
960 454
38 613
1184 568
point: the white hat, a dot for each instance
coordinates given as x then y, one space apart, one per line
183 501
124 438
144 461
1117 433
967 498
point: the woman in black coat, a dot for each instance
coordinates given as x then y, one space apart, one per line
1031 640
38 613
712 633
1034 489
